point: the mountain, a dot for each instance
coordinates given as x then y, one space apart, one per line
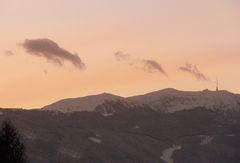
172 100
167 100
165 126
87 103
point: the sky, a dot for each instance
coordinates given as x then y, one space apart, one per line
50 50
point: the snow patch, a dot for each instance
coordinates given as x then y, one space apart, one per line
231 135
98 135
136 127
167 153
206 140
107 114
95 140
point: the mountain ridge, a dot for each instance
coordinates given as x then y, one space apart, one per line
172 100
169 100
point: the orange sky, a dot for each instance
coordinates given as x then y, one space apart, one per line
204 33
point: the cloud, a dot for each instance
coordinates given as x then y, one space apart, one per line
192 69
9 53
120 56
51 51
145 64
152 65
45 72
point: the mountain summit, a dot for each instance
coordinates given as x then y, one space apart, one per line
87 103
172 100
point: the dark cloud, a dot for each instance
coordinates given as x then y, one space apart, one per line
120 56
147 65
9 53
152 65
51 51
192 69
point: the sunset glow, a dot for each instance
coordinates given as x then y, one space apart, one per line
156 41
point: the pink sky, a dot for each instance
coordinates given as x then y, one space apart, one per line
204 33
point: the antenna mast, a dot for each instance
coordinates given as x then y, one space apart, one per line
217 84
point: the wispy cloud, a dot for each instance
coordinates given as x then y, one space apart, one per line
51 51
45 72
9 53
120 56
147 65
193 69
152 66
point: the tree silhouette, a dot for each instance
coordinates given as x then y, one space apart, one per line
11 149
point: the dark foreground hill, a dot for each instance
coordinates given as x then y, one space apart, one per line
138 135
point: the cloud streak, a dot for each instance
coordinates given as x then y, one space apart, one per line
50 50
9 53
120 56
152 65
147 65
192 69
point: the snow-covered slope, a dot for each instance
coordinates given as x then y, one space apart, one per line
87 103
169 100
172 100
